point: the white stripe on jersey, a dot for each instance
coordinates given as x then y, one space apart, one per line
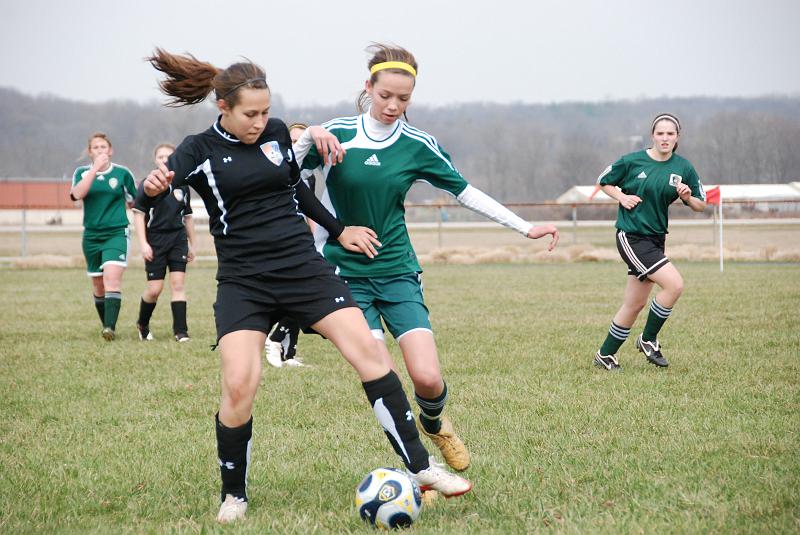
604 173
342 122
212 183
429 142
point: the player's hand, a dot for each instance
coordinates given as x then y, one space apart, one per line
100 162
684 192
360 240
190 256
147 252
537 231
629 201
327 145
158 181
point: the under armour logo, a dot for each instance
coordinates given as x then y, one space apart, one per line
227 159
339 300
226 464
409 416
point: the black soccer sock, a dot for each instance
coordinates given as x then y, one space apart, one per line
100 305
616 336
233 449
113 302
286 333
430 411
146 312
391 407
179 317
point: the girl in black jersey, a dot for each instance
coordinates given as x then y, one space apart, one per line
244 169
166 237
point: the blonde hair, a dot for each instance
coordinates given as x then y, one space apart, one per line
169 146
98 135
382 53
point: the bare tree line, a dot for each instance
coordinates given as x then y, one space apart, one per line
515 152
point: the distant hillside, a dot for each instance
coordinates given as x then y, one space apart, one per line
517 152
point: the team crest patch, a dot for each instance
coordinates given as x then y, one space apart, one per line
674 180
272 151
113 182
178 193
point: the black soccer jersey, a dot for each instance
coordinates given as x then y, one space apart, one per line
167 215
254 197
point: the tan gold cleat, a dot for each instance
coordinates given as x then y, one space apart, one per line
453 449
430 498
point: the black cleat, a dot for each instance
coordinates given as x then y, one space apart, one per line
652 350
144 333
608 362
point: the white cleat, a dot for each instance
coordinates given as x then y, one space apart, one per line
231 510
437 478
294 363
274 353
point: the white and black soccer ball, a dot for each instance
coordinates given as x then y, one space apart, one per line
388 498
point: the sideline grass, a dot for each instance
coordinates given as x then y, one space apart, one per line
117 437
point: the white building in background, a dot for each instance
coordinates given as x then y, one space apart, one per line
742 197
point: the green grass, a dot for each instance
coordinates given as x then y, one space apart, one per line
117 437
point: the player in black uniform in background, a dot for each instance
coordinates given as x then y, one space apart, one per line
166 238
244 169
281 344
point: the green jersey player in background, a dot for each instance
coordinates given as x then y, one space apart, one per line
106 189
646 183
385 156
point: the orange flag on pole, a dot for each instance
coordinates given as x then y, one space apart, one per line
713 195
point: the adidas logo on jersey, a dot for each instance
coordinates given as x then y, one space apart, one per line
372 160
642 175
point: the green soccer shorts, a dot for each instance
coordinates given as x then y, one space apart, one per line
105 248
397 300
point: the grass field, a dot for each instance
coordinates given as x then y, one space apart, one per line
117 437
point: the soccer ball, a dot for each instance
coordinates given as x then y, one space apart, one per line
388 498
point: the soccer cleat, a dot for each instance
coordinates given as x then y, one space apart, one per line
437 478
182 337
231 510
609 362
274 353
144 333
453 449
108 333
294 363
652 351
430 498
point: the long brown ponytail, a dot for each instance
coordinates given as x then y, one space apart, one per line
189 80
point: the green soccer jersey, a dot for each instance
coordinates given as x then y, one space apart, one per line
369 187
104 204
655 183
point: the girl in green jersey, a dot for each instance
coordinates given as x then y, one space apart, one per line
106 190
646 183
385 156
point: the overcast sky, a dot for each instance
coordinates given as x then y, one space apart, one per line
499 51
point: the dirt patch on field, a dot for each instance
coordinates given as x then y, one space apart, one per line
588 253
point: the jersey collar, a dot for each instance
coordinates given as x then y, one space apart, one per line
376 130
224 133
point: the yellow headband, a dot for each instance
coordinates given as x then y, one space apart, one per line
393 65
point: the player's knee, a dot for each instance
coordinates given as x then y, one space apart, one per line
239 392
427 380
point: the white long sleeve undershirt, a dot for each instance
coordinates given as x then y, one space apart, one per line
479 202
